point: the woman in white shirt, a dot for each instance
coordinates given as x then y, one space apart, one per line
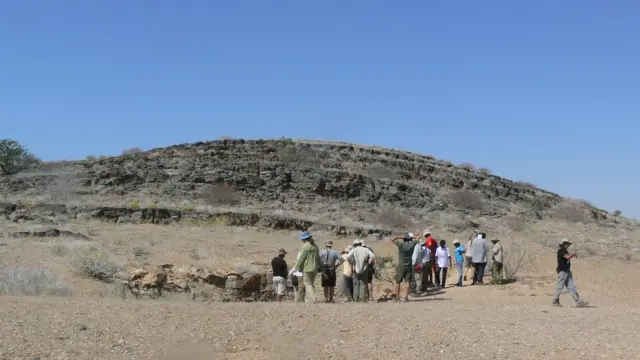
443 261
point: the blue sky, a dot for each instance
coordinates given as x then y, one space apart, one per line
542 91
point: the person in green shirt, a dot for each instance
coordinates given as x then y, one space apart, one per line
404 272
309 264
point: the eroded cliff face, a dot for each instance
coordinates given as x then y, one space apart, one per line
331 182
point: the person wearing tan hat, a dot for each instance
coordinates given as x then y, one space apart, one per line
279 269
330 260
497 260
371 274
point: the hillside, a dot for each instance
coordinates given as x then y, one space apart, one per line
293 184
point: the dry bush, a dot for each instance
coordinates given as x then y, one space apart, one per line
198 254
32 282
226 137
466 199
395 220
380 171
485 170
617 213
527 184
571 211
515 256
220 195
467 166
292 155
539 206
131 151
94 264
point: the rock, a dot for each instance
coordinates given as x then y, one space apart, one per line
49 233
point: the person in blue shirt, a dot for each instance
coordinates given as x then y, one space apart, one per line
459 251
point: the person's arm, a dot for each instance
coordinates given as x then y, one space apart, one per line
414 256
302 258
372 257
338 262
350 258
495 249
396 239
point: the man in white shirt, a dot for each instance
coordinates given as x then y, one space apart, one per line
361 259
443 261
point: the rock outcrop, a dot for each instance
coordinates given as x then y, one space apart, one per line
301 181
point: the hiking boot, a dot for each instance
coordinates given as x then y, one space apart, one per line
557 304
582 303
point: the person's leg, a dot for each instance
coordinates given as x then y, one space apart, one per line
309 279
332 287
460 265
348 287
571 286
560 284
300 293
366 296
370 275
398 281
444 276
438 276
417 275
427 273
356 288
407 276
481 269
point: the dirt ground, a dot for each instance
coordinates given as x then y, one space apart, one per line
514 321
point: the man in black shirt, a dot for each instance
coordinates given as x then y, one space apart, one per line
565 278
280 274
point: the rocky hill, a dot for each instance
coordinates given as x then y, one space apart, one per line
291 184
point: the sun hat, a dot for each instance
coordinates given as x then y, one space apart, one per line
408 235
363 244
328 243
282 252
456 241
357 242
565 241
495 240
426 232
304 236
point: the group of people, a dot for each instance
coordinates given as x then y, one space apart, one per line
423 262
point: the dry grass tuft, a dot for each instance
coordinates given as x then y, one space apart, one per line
94 264
394 219
32 282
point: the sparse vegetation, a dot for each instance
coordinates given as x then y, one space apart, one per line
32 282
59 250
515 255
131 151
219 195
466 199
135 204
294 155
617 213
539 206
14 157
571 211
485 170
226 137
94 264
467 166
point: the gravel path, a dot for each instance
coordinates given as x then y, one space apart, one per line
449 328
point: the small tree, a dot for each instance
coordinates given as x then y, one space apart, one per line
14 157
617 213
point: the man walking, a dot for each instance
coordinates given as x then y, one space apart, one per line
330 261
497 261
443 261
308 263
361 258
565 277
479 257
279 269
347 274
404 271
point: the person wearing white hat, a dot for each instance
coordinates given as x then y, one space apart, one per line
404 271
361 258
565 277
